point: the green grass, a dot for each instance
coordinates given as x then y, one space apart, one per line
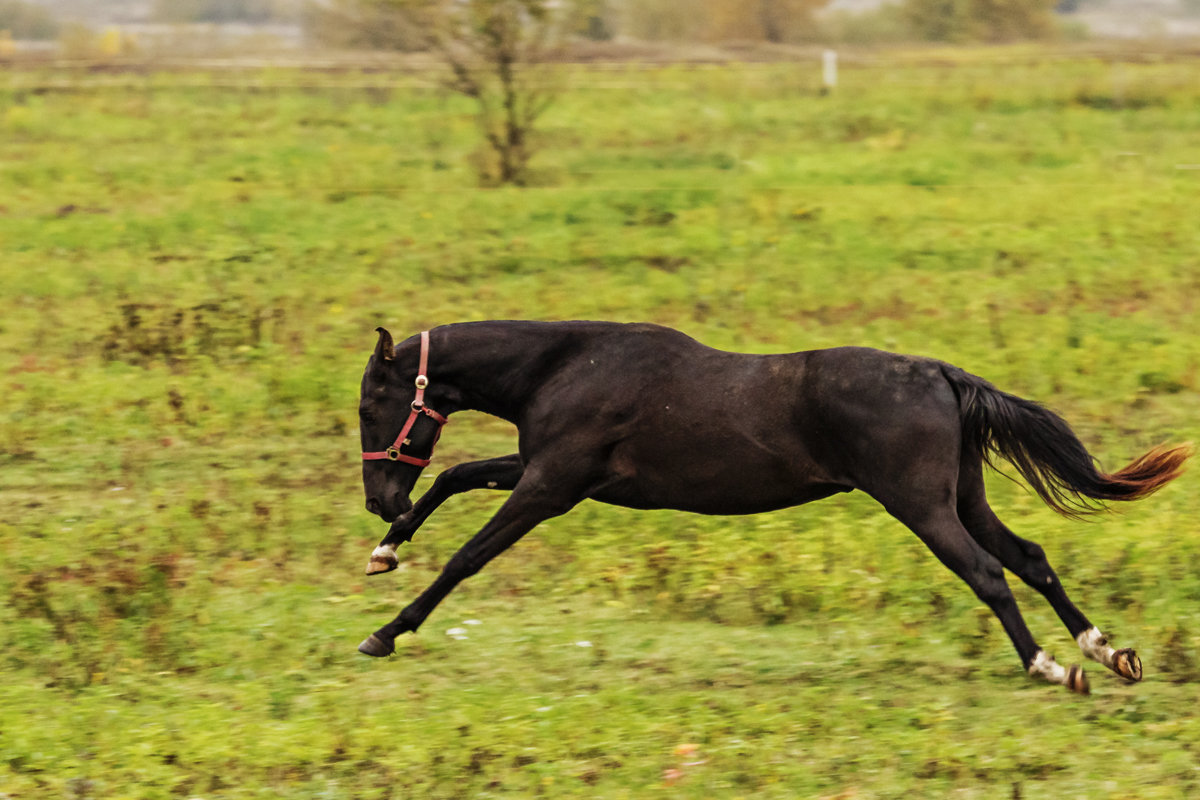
192 268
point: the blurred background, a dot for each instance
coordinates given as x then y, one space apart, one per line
78 27
206 208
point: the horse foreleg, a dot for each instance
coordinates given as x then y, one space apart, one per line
493 473
525 508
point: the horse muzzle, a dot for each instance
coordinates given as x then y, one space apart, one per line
390 511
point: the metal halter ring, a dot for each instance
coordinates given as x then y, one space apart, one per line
422 382
393 453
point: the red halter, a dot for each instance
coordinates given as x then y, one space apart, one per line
418 408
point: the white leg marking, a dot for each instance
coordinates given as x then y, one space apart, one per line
387 552
1048 668
1125 662
1094 645
1072 677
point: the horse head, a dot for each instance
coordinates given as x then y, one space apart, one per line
398 429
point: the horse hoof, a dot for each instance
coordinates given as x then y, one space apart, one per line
377 565
1127 664
1076 681
374 646
382 560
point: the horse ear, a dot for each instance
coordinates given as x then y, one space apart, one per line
384 349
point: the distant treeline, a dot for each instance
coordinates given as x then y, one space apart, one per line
25 21
376 24
252 11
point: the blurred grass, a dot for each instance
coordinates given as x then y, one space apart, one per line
192 267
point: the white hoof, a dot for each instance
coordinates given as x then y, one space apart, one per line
383 559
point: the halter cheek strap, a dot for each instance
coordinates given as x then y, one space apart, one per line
394 453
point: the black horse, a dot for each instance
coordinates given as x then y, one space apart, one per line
645 417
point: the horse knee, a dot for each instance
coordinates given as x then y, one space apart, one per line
1033 552
447 480
1037 572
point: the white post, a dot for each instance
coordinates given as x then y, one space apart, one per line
829 69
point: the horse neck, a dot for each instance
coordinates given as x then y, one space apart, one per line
496 367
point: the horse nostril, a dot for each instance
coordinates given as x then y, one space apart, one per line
373 505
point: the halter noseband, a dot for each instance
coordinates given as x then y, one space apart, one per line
394 453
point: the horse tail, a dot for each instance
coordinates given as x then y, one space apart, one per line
1047 453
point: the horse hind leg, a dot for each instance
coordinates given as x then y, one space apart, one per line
944 534
1125 662
1027 560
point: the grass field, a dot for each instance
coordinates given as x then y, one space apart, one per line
193 264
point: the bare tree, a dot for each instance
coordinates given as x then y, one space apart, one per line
498 53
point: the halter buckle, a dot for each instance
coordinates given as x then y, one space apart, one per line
422 382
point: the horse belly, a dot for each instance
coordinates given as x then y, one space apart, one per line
712 483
